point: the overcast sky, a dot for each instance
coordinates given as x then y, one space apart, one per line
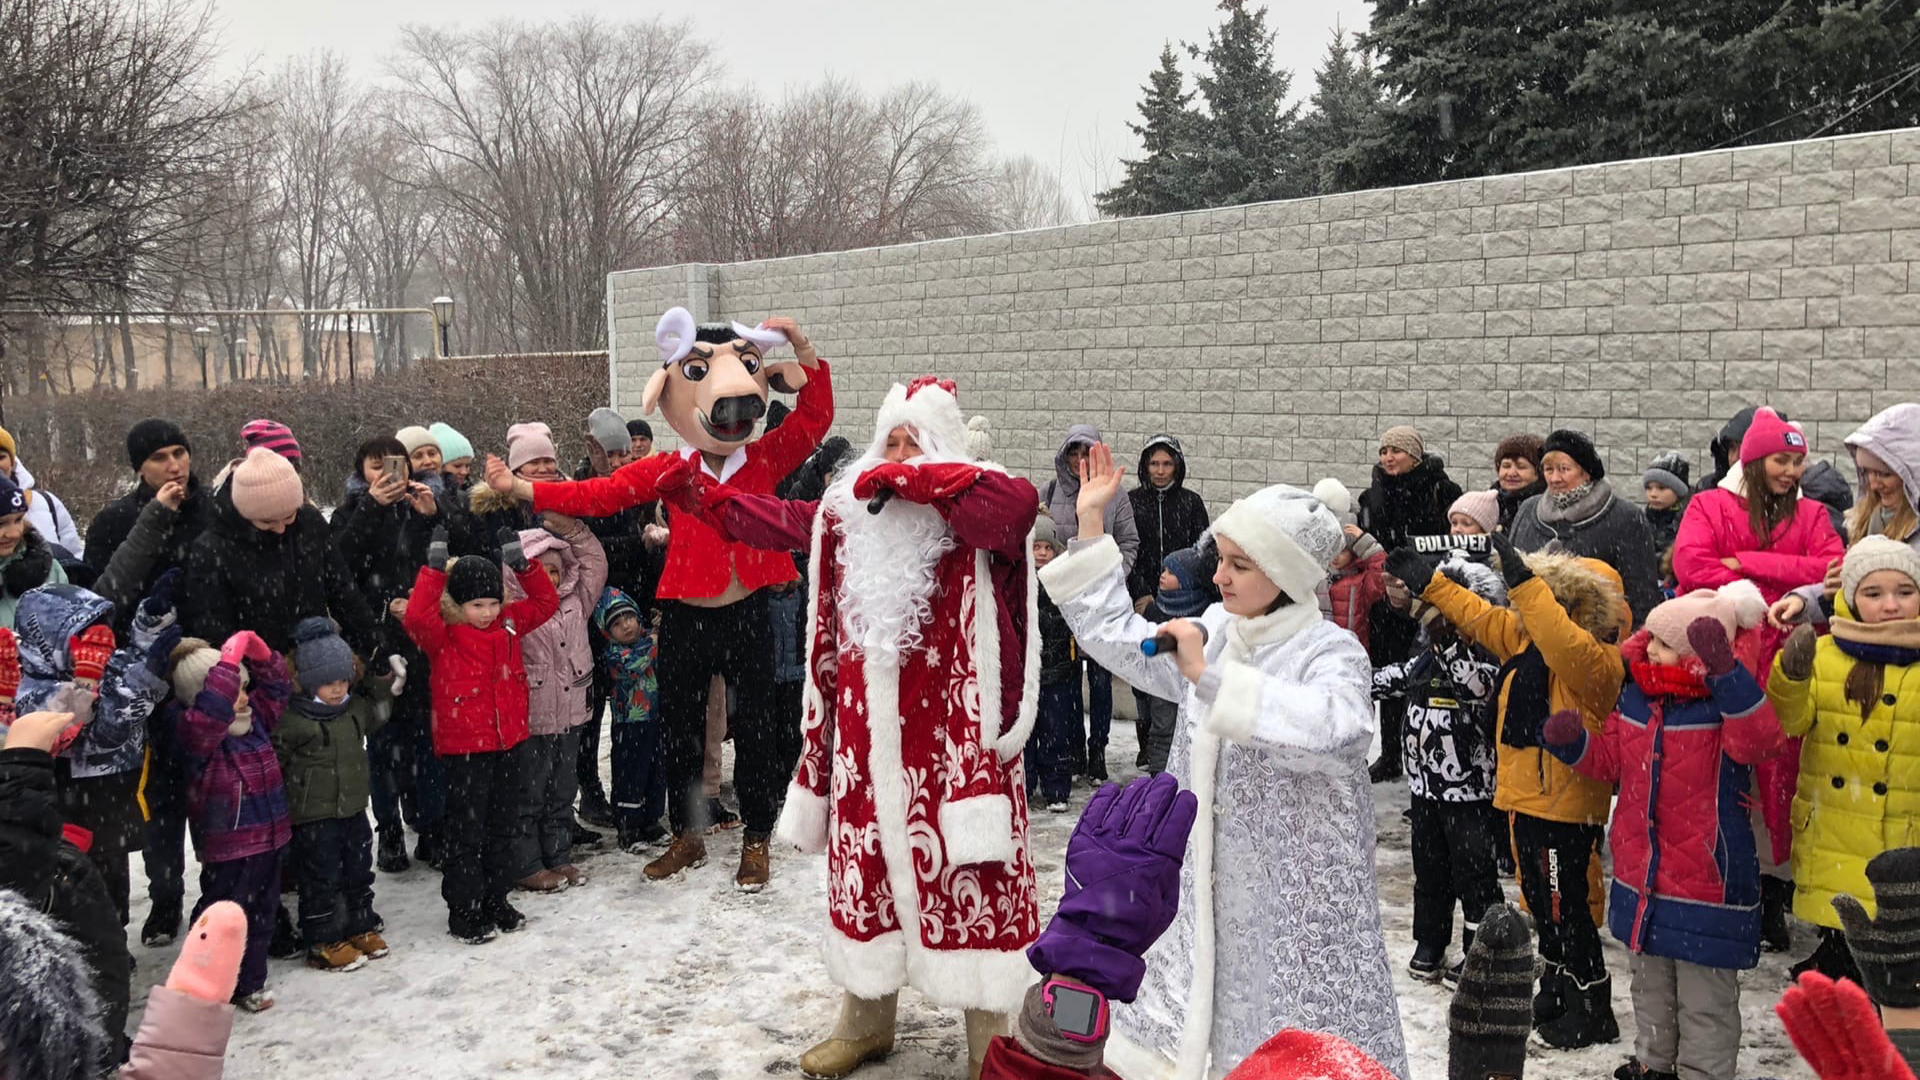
1057 79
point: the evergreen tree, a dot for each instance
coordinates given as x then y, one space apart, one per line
1165 179
1345 102
1247 147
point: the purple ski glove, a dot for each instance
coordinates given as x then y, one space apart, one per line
1123 885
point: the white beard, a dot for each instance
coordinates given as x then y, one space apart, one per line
887 563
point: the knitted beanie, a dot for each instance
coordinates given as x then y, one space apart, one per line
1046 532
475 577
150 435
265 487
415 437
639 429
529 442
1873 553
609 430
12 499
1492 1011
1768 435
7 443
274 436
319 655
979 439
1404 437
192 659
1524 446
1737 606
453 445
1670 470
1482 506
1290 534
1576 445
50 1028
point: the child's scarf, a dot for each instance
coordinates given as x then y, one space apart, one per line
1669 680
1895 643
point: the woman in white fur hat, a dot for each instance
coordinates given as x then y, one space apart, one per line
1279 922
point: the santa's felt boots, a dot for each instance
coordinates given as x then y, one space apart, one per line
982 1026
864 1033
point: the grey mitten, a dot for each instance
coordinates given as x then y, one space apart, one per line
1492 1011
510 552
1887 946
1796 656
437 548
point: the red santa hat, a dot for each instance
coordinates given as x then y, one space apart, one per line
1308 1055
931 408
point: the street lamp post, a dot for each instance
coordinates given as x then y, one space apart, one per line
201 335
239 364
442 319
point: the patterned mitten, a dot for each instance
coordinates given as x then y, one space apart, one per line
91 649
1887 946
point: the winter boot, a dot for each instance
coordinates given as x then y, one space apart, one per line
505 916
755 867
1633 1070
1551 1001
471 925
1429 962
1776 896
541 881
392 856
1831 958
585 837
982 1027
370 944
286 943
864 1033
1588 1020
575 876
426 849
339 956
1451 976
719 818
1097 764
1385 769
257 1002
687 852
638 840
162 926
595 810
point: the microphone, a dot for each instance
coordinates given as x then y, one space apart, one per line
1165 643
879 500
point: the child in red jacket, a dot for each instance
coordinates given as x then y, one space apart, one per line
479 720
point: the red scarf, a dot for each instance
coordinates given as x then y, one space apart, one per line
1668 680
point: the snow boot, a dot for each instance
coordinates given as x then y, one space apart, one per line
1384 770
471 925
1451 976
1633 1070
1429 962
542 881
595 810
585 837
1551 1001
370 944
640 839
287 943
392 856
864 1033
575 876
337 957
162 926
755 864
506 917
687 852
257 1002
1588 1020
426 849
1776 896
982 1028
719 818
1831 958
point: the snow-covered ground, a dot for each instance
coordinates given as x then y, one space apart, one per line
694 981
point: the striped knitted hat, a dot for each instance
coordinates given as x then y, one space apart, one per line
1887 945
1492 1011
274 436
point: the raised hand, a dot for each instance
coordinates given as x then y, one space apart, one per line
510 552
1785 613
1512 566
500 478
1099 485
1796 656
1886 947
1407 567
802 346
437 549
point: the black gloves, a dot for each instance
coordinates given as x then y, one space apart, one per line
510 552
1411 568
1887 946
1512 566
437 549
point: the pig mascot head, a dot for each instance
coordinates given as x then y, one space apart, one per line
713 379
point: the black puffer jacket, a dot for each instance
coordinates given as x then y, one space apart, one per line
57 878
1168 519
383 546
115 522
1412 504
242 578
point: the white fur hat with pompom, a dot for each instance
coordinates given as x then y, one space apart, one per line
1292 535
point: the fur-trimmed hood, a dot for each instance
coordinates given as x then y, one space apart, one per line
484 500
1589 590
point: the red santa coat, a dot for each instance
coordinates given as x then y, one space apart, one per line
911 778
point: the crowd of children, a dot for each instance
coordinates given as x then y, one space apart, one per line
1732 660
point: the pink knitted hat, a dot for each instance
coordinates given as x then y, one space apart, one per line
1770 435
1737 605
529 442
1482 506
265 487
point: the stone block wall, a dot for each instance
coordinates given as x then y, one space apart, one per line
1641 301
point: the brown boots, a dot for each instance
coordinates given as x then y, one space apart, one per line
687 852
755 865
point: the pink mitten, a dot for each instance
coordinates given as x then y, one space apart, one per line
209 964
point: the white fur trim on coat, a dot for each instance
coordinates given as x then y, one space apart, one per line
803 821
1234 712
1009 743
978 830
1073 573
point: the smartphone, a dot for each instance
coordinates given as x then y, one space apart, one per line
396 466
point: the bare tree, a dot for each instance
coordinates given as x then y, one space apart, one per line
554 147
1028 195
389 221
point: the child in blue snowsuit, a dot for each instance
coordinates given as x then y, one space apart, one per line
639 776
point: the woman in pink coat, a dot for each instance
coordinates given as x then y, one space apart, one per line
1756 525
559 659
